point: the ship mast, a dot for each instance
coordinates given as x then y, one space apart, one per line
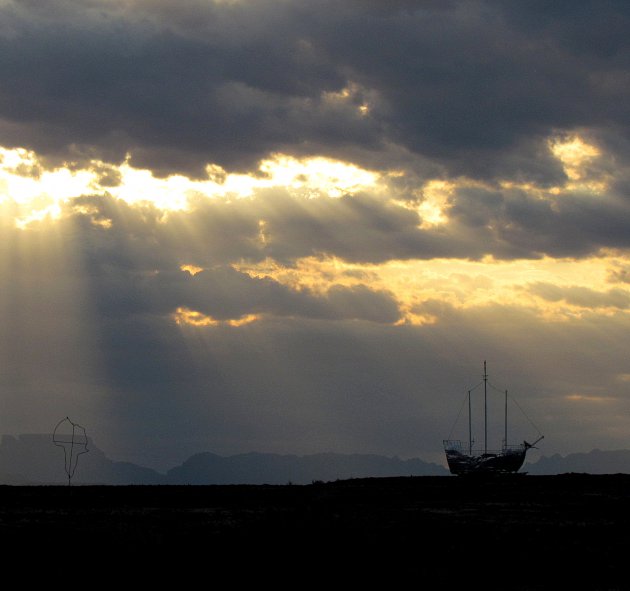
505 442
485 409
469 428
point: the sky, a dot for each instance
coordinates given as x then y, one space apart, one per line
301 226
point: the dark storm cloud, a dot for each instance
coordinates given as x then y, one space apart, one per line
515 224
475 87
584 26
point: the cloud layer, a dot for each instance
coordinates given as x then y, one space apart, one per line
372 198
473 87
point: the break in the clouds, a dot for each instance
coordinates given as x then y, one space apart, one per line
302 225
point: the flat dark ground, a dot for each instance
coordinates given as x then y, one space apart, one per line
520 532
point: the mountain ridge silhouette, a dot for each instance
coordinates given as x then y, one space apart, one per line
33 459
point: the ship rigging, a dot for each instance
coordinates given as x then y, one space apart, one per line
509 459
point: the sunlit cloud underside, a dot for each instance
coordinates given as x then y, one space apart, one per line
555 288
36 193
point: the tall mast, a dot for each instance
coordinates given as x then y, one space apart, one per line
469 428
485 409
505 440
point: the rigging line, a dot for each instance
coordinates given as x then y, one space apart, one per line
477 386
525 415
495 388
458 415
518 405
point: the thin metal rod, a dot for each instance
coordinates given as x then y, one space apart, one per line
505 441
71 452
469 427
485 409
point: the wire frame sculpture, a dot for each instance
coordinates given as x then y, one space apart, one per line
72 439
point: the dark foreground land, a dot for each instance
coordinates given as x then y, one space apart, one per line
519 532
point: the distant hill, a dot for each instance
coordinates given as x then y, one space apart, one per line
592 462
257 468
34 459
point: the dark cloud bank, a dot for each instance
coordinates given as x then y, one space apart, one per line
454 88
474 87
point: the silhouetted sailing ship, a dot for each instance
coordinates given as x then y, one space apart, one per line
466 460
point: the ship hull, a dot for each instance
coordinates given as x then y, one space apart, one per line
505 462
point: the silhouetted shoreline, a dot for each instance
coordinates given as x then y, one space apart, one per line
518 532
